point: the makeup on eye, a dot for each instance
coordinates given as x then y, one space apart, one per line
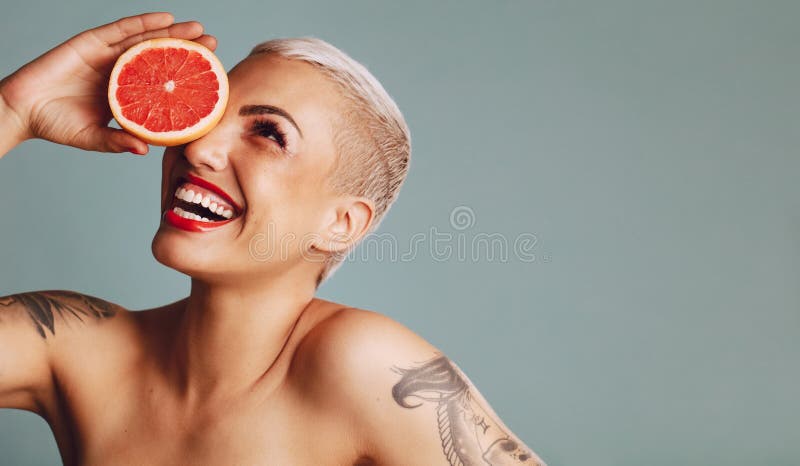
265 109
270 130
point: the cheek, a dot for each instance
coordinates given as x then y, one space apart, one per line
285 192
283 196
285 223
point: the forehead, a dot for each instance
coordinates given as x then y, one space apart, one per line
293 85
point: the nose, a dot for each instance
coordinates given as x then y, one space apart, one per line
210 151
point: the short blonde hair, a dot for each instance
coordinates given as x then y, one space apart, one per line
371 135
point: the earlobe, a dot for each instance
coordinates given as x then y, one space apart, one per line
347 224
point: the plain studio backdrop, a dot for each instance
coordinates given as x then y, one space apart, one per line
631 165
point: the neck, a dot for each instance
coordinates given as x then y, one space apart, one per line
230 336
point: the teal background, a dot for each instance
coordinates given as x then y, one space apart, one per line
650 147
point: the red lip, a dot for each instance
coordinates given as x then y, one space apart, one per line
191 225
196 225
215 189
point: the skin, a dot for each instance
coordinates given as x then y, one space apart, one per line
251 368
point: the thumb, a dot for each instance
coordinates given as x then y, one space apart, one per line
107 139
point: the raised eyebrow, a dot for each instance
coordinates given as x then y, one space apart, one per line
261 109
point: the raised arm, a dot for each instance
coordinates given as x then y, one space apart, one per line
62 95
12 128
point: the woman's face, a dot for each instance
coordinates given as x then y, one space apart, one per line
265 165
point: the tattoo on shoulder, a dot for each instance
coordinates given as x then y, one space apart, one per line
44 307
469 435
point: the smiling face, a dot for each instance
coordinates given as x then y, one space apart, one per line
260 178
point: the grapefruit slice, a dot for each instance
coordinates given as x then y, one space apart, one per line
168 91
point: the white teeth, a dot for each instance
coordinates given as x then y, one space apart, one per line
202 199
183 213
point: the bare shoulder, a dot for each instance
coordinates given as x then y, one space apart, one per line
352 344
85 339
415 405
45 337
52 313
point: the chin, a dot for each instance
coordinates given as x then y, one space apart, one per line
180 253
168 252
213 257
199 259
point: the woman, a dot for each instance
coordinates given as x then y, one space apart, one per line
250 368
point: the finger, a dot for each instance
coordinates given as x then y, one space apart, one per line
122 141
106 139
188 30
208 41
121 29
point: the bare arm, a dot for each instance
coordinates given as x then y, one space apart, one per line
414 404
12 127
62 95
469 430
32 328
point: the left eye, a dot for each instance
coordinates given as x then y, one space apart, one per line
270 130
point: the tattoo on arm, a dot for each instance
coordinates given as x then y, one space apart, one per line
44 307
470 437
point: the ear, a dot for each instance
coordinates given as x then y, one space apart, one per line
346 222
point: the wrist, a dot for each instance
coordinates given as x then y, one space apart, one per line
13 129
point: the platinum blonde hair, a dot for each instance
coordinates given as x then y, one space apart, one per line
371 136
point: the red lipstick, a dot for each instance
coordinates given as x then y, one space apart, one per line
191 225
214 188
187 212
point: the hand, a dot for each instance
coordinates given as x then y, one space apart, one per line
62 96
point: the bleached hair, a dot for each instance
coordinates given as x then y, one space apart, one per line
371 136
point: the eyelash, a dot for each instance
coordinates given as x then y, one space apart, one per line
267 128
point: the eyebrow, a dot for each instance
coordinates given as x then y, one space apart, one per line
246 110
